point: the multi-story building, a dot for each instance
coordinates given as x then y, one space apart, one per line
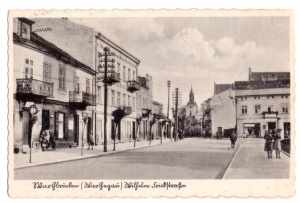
144 102
263 103
128 90
157 109
121 94
48 79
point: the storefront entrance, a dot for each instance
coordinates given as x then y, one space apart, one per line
271 125
252 130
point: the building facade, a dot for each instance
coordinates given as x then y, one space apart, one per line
263 103
50 80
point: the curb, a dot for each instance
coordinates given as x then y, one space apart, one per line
229 165
87 157
285 153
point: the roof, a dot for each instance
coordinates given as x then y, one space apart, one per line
26 20
221 88
42 45
257 76
252 85
192 103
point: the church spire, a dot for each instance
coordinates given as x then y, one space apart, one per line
191 94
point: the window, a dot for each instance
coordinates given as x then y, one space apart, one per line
76 83
270 107
129 100
129 75
99 95
46 72
28 68
257 108
112 98
88 85
285 108
133 75
244 109
118 99
133 103
118 68
62 79
286 96
258 97
254 97
124 73
124 99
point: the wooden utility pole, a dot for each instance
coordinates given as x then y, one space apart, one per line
176 114
105 99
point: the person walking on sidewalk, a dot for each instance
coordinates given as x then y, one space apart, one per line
269 143
51 142
90 140
277 143
233 139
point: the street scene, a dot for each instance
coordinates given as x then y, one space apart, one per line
151 98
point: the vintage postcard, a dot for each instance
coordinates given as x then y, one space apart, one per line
151 103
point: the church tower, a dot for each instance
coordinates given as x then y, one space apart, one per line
191 107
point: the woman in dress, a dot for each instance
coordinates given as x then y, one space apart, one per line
91 140
269 143
277 143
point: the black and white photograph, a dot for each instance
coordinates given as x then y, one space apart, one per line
119 102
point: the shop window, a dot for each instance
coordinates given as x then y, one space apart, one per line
244 109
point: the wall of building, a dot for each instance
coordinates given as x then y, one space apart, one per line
277 101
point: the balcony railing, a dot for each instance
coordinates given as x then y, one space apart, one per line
111 79
127 109
34 87
133 86
82 97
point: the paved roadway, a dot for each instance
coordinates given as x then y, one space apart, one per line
192 158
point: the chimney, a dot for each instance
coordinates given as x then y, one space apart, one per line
250 74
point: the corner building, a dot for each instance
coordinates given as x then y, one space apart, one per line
263 103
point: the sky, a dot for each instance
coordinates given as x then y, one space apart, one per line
198 51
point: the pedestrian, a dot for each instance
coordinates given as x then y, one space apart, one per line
221 134
269 143
233 139
90 140
44 139
51 141
277 143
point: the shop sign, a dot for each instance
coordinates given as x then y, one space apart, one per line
33 109
272 115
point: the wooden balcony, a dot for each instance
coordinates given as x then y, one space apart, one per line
33 90
133 86
80 99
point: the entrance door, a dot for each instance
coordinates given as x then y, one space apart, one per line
45 119
25 128
112 129
272 125
76 129
128 130
89 127
133 130
61 119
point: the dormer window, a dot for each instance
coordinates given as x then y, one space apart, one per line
24 27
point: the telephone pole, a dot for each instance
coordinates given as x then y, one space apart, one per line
176 114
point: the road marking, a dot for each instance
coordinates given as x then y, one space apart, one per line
226 172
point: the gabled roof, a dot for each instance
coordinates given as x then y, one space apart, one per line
40 44
221 88
253 85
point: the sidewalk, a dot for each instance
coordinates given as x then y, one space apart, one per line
68 154
251 162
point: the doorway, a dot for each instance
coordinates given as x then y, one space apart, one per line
45 119
272 125
133 130
26 134
76 129
89 127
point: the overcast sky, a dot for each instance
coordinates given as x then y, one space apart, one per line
199 51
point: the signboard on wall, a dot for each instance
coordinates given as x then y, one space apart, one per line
271 115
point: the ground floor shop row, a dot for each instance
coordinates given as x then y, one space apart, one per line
256 128
70 130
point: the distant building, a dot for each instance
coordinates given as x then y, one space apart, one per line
191 110
263 103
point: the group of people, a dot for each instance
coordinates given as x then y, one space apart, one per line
273 142
47 139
